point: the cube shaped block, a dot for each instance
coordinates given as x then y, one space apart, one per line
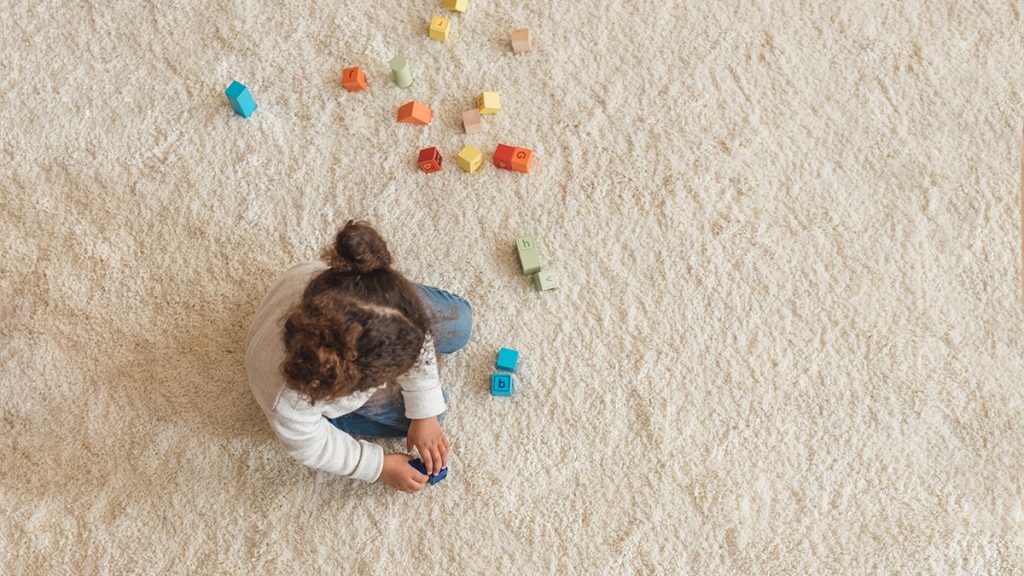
471 120
422 468
455 5
440 27
429 160
470 159
415 113
503 156
240 99
545 280
501 384
507 359
521 40
400 70
529 255
522 160
353 79
488 103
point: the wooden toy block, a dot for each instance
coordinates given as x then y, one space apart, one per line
522 160
429 160
521 40
353 79
488 102
440 27
470 159
240 99
503 156
507 359
422 468
400 70
415 113
471 120
529 255
501 384
455 5
545 280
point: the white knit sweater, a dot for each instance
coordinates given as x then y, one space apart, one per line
302 428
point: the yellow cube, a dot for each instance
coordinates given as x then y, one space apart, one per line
470 159
439 28
488 103
455 5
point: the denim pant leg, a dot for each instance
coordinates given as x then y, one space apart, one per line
453 318
380 417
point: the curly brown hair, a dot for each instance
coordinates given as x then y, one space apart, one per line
358 325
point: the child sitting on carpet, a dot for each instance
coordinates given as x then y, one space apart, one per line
350 348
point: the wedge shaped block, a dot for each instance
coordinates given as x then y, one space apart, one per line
470 159
415 113
353 79
240 99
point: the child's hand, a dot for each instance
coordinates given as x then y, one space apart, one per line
399 475
426 435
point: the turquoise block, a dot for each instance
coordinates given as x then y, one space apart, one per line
240 99
507 360
501 384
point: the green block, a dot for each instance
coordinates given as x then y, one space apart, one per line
545 280
400 67
529 256
529 262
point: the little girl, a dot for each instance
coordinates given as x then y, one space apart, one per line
332 346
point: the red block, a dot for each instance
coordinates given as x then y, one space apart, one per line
430 160
503 156
353 79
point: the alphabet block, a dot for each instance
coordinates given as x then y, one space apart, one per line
440 27
503 156
455 5
470 159
429 160
545 280
353 79
507 359
488 102
419 465
501 384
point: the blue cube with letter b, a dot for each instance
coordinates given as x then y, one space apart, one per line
501 384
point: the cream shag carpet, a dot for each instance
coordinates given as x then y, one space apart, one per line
788 341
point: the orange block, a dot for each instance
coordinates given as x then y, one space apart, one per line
415 113
522 159
503 156
353 79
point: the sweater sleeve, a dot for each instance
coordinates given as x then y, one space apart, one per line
312 440
421 386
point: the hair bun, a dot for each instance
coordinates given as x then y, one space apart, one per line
358 248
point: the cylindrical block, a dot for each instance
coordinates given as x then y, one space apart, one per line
400 67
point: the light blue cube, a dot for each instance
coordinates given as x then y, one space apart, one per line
240 99
507 360
501 384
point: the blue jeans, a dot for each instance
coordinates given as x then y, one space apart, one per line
384 415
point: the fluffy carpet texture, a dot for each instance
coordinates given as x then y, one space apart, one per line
789 336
